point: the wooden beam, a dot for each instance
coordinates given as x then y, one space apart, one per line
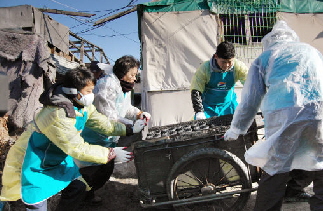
81 39
83 45
55 11
76 42
82 53
115 16
87 51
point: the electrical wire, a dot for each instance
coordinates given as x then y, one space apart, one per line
130 4
92 34
90 22
64 5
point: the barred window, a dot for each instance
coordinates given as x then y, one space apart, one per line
246 28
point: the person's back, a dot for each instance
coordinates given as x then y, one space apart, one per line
286 80
292 75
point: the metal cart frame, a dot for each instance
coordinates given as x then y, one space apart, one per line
188 166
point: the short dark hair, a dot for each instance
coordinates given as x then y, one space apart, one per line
225 50
94 67
122 66
78 78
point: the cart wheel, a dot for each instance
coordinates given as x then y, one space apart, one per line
213 175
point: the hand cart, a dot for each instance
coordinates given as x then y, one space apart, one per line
188 166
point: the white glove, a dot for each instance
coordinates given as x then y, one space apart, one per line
200 115
230 135
122 155
145 116
138 126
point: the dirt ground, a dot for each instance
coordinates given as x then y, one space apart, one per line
121 194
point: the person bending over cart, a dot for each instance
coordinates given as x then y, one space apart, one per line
212 94
113 99
286 82
212 86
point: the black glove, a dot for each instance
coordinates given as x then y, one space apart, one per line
129 130
196 97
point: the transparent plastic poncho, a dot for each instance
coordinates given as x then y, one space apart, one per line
112 102
285 82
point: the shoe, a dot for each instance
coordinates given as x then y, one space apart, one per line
96 200
93 200
300 197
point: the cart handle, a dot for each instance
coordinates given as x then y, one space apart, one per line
197 199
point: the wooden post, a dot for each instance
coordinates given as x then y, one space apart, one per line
101 57
93 52
82 52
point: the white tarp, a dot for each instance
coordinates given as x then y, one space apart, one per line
309 27
174 44
170 107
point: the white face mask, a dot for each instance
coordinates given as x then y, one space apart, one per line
85 100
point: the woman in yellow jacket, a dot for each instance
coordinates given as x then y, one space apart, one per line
41 163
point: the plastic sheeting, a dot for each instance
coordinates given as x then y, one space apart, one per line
309 27
286 83
174 5
172 52
236 6
170 107
112 102
301 6
216 6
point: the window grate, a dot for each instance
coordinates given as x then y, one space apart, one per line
245 23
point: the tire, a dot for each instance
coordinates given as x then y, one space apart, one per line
209 172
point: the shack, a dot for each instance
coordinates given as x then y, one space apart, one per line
35 51
177 36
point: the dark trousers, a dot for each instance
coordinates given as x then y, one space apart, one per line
316 201
72 196
299 179
96 176
271 191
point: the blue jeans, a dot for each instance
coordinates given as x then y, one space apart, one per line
42 206
70 200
